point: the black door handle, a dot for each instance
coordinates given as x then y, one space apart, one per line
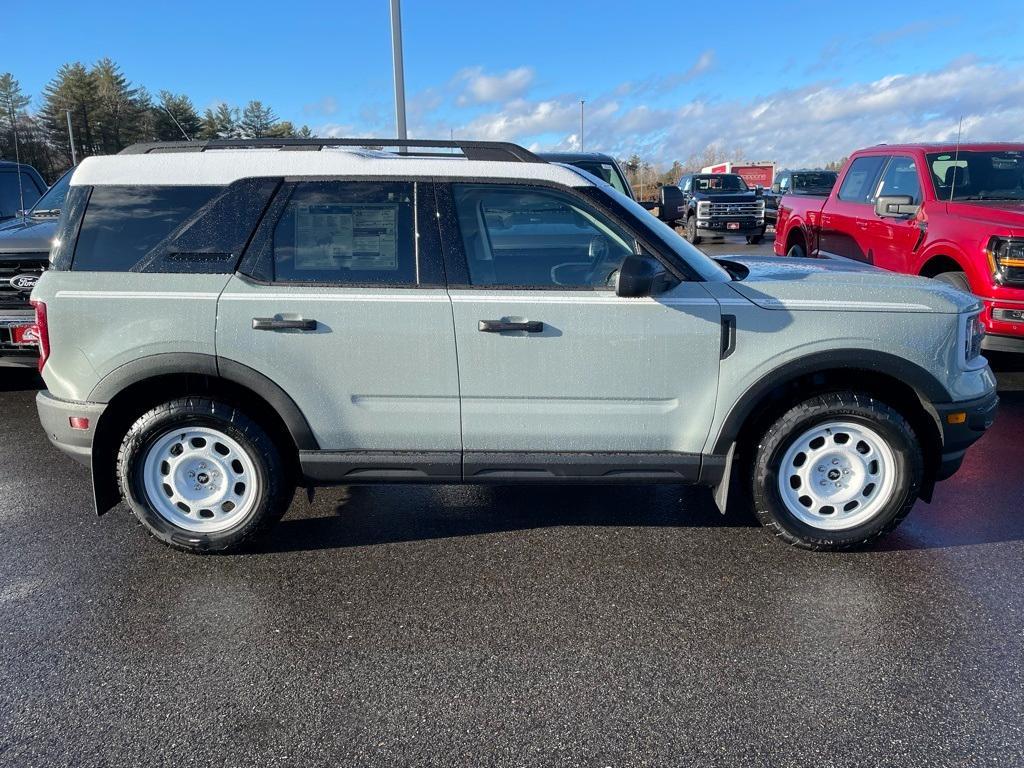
276 324
497 326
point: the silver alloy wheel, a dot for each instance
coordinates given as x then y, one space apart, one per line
837 475
199 479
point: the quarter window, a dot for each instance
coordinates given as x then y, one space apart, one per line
859 183
901 178
536 238
347 232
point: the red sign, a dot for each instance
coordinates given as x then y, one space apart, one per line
25 334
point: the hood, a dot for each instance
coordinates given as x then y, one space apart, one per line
1009 213
32 236
727 197
833 285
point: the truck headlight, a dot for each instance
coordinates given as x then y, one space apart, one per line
972 335
1006 259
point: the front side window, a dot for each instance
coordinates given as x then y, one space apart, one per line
900 178
347 232
529 237
859 183
124 223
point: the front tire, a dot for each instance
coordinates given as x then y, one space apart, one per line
754 239
836 472
201 476
691 231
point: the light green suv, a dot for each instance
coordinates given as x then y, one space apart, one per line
224 321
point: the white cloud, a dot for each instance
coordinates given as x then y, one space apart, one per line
328 105
482 88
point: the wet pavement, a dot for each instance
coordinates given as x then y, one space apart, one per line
404 625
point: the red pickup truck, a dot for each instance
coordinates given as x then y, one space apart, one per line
951 213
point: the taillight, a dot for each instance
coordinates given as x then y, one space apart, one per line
42 331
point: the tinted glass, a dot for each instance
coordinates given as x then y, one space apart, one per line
123 224
859 183
900 178
53 200
11 195
814 182
529 237
719 183
607 172
347 232
970 175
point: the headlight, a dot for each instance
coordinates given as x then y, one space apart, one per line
760 205
1006 259
972 334
704 206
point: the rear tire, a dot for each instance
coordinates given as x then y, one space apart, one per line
796 251
956 279
691 231
836 472
201 476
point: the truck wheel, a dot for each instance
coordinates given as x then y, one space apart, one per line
796 251
201 476
836 472
754 239
956 279
691 231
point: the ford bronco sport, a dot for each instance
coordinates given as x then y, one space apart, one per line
224 321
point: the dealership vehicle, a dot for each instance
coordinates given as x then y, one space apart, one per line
953 213
598 164
715 204
223 321
24 254
814 182
18 194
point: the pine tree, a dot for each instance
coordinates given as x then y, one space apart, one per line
220 124
120 111
257 121
73 89
174 115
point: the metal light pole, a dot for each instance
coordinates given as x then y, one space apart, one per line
396 56
582 102
71 138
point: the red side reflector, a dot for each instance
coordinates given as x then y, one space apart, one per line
78 422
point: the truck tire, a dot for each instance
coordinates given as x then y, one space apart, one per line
691 230
754 239
836 472
796 251
201 476
956 279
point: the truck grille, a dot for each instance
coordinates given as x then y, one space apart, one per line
26 264
736 209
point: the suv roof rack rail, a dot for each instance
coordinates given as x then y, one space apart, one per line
502 151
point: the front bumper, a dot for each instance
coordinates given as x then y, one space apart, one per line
738 226
961 432
55 415
12 354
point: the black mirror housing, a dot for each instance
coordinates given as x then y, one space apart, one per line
640 276
673 202
895 207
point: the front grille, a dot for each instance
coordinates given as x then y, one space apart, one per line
735 209
26 264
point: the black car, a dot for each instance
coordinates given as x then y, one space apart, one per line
24 254
15 197
803 181
596 164
715 205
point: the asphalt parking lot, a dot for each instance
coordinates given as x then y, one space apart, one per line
508 626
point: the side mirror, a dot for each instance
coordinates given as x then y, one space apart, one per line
640 276
758 191
673 202
776 189
895 206
648 205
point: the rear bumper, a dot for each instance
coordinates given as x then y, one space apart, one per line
55 415
958 437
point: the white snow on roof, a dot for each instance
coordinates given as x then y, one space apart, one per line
223 166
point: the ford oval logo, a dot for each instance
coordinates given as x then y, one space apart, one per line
24 283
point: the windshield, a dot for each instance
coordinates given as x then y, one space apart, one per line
718 183
607 172
53 199
703 265
972 175
820 182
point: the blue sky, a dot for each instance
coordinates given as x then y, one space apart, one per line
797 82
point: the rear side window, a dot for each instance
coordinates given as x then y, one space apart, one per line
122 224
347 232
859 183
